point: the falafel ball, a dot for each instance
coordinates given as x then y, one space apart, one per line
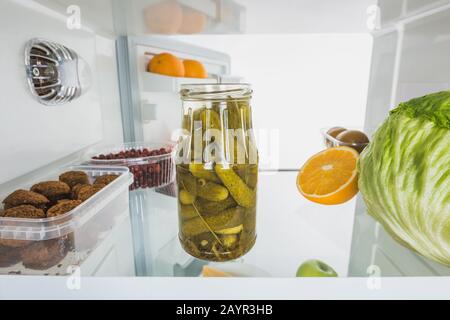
24 197
41 255
76 189
62 207
25 211
53 190
9 256
105 179
87 191
72 178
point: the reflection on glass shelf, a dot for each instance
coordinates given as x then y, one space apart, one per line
155 235
154 223
172 261
291 230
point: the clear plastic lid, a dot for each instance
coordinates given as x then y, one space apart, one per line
50 228
94 156
331 141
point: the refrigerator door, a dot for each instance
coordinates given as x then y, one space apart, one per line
37 138
410 59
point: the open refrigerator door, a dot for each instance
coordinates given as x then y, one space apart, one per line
410 36
105 97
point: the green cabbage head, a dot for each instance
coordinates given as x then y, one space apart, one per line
404 175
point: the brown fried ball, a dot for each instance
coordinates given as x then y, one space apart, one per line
62 207
41 255
63 200
24 197
9 256
87 191
25 211
72 178
76 189
106 179
53 190
12 243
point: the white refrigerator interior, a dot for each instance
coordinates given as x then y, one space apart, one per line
39 138
307 74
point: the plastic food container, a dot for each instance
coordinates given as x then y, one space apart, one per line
150 171
330 141
53 246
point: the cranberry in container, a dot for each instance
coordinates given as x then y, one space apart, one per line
151 164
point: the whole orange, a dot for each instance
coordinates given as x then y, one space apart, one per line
194 69
166 64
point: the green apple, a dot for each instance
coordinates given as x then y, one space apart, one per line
315 268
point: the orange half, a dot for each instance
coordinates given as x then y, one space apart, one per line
330 177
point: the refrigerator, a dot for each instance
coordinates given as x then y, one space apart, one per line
116 100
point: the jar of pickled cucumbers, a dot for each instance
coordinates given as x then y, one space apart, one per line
217 172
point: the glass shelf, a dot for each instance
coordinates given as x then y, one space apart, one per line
290 230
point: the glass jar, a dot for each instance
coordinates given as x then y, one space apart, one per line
217 172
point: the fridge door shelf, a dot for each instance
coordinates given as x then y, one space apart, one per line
215 16
152 82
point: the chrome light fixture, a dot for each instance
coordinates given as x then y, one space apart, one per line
56 74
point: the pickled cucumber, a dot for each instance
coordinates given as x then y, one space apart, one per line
213 207
211 191
199 171
249 232
230 231
205 208
196 139
247 113
196 114
229 241
187 212
233 114
226 219
186 122
186 197
210 119
237 152
239 114
248 173
242 194
202 188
